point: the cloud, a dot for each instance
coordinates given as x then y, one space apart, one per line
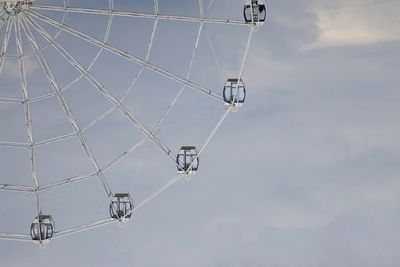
357 22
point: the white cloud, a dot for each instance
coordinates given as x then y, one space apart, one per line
357 22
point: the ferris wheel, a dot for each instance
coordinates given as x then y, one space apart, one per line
89 61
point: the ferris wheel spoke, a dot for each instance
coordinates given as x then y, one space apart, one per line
28 116
17 188
4 46
126 55
16 237
104 91
67 110
118 13
27 109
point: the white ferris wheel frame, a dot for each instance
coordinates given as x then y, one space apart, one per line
29 22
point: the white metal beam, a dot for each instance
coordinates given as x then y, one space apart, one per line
28 116
118 13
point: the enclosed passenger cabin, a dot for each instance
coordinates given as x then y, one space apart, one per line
42 228
234 92
187 160
255 12
121 206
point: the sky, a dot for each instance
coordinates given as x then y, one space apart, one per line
305 174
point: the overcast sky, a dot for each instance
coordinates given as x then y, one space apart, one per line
305 174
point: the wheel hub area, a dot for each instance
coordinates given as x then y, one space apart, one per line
13 7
